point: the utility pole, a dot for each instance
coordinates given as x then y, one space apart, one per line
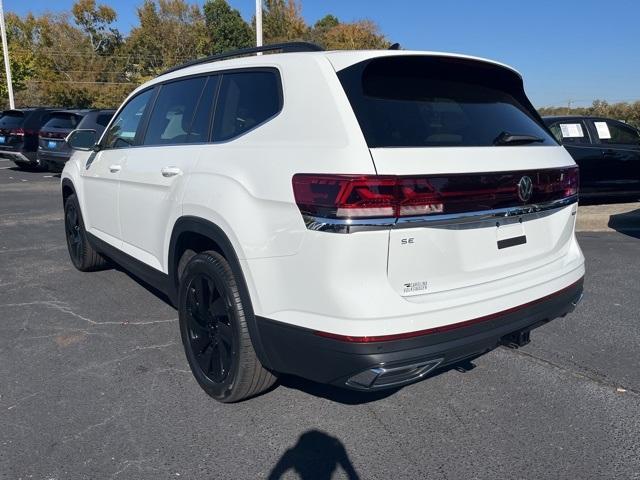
5 51
258 23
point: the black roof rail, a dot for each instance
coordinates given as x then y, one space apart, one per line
288 47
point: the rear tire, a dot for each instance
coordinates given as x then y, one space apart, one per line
215 335
83 255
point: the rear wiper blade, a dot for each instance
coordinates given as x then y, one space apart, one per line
506 138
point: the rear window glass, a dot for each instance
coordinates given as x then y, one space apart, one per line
9 120
413 101
67 121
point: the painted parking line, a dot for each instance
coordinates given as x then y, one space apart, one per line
5 168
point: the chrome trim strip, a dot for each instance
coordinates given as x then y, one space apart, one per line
334 225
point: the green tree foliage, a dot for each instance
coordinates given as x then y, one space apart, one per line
626 111
226 29
80 59
95 21
282 21
170 32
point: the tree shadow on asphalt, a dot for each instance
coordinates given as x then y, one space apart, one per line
316 456
627 223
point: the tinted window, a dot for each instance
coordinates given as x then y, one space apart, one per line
570 132
173 112
103 119
67 121
246 100
615 132
122 132
418 101
11 120
200 125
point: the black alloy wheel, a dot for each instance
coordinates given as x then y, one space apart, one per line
74 234
209 327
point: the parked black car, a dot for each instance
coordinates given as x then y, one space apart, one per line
53 152
607 152
19 134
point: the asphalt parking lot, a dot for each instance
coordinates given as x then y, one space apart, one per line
94 384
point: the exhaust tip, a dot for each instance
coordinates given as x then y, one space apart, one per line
385 377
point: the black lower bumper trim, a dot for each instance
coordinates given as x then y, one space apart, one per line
299 351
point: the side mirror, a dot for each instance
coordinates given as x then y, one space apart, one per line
82 139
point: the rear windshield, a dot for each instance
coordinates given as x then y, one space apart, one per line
11 120
67 121
419 101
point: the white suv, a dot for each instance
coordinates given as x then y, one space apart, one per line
358 218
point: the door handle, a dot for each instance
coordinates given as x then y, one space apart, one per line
115 168
168 172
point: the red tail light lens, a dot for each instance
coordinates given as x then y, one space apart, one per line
345 196
373 196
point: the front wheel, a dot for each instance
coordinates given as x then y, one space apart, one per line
83 256
214 331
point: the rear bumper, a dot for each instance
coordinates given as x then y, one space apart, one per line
19 157
53 160
367 363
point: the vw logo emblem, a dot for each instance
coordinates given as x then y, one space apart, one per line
525 189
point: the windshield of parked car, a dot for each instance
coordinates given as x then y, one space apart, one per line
430 101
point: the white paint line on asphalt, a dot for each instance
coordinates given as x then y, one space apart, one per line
5 168
47 176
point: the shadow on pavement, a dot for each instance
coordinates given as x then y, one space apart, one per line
608 200
627 223
315 456
354 397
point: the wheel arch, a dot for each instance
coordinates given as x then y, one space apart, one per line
198 234
68 189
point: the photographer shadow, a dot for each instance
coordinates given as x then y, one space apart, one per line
316 456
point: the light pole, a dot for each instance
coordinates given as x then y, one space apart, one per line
5 51
258 23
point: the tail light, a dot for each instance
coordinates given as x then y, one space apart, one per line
18 132
387 196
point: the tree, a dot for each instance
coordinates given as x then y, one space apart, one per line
95 21
225 27
355 36
317 33
170 32
282 21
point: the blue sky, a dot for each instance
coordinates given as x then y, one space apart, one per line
567 50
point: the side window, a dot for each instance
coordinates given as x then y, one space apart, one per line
122 131
246 100
615 132
570 132
173 112
200 125
103 119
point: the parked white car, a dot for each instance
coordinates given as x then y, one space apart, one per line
358 218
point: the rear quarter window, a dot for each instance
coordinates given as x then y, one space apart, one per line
422 101
246 100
